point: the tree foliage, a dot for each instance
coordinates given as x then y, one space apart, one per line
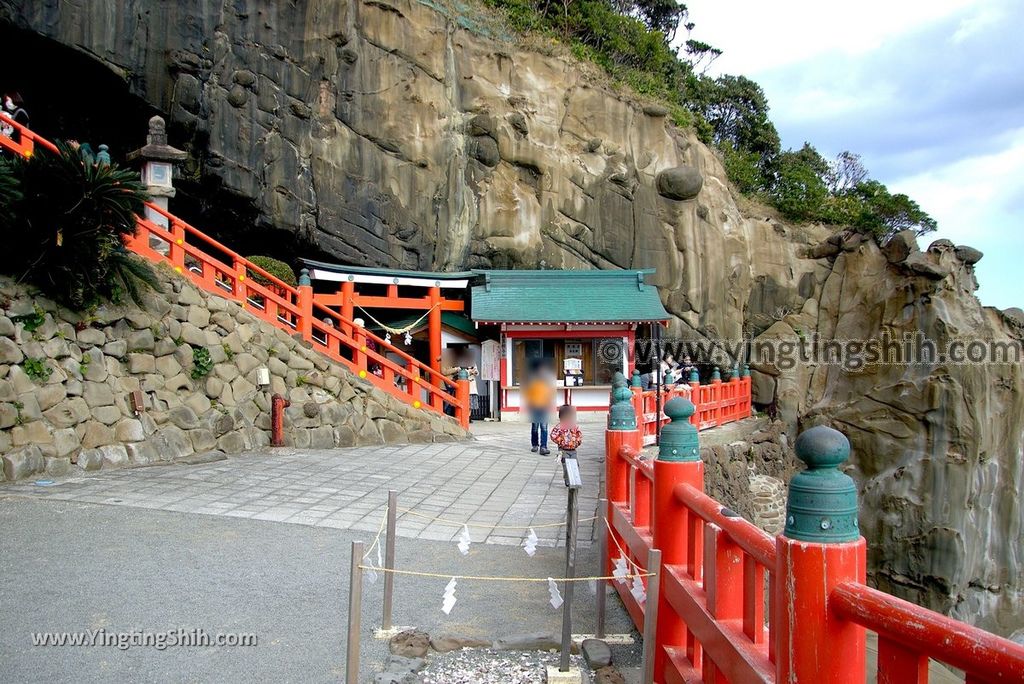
65 225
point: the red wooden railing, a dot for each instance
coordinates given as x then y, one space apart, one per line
714 624
221 271
717 403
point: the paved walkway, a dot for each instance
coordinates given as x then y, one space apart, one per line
494 480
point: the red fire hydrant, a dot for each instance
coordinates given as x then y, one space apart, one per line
277 406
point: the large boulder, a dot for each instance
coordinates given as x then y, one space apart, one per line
900 246
679 183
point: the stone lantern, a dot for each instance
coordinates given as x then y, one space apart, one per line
158 160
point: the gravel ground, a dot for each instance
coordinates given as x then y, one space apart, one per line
485 666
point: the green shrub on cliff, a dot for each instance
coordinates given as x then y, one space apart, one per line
65 223
632 40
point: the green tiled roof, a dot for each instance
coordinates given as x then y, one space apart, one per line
566 297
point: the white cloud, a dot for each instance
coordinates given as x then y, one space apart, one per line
961 194
931 93
759 36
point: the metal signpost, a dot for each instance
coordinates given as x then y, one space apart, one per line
573 481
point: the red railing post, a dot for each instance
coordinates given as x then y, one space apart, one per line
462 408
622 432
177 248
304 326
820 549
695 397
678 463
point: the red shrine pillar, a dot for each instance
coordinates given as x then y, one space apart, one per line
434 326
348 293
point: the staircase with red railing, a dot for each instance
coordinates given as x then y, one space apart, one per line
217 269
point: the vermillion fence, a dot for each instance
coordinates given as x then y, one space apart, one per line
715 403
217 269
713 623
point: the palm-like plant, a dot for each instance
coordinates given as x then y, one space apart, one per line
66 226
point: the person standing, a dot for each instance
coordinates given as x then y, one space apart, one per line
567 433
539 394
13 108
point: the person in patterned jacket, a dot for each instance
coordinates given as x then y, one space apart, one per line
567 433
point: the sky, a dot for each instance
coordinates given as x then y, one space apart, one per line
930 94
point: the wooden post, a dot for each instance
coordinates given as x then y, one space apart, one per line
651 611
389 558
678 463
602 565
355 609
820 549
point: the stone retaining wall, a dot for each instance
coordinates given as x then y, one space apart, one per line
66 379
751 476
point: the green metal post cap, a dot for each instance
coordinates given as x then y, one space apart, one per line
621 415
735 371
304 277
822 503
746 370
715 374
679 440
618 377
635 381
694 375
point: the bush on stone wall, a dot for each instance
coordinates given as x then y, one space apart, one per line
274 267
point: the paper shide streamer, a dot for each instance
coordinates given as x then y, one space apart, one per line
530 545
621 570
464 541
448 598
556 596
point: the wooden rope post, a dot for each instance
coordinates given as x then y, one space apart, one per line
602 565
389 559
355 609
651 610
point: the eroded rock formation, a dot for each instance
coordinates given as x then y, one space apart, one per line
387 132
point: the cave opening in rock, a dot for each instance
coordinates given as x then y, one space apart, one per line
70 94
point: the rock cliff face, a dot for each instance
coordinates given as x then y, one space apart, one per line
389 132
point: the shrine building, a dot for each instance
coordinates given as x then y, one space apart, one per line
582 323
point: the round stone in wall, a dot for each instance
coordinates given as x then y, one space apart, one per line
679 183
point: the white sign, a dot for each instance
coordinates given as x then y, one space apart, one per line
490 360
573 364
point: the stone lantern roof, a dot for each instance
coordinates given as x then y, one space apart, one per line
156 147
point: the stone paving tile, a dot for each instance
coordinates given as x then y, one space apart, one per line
493 480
